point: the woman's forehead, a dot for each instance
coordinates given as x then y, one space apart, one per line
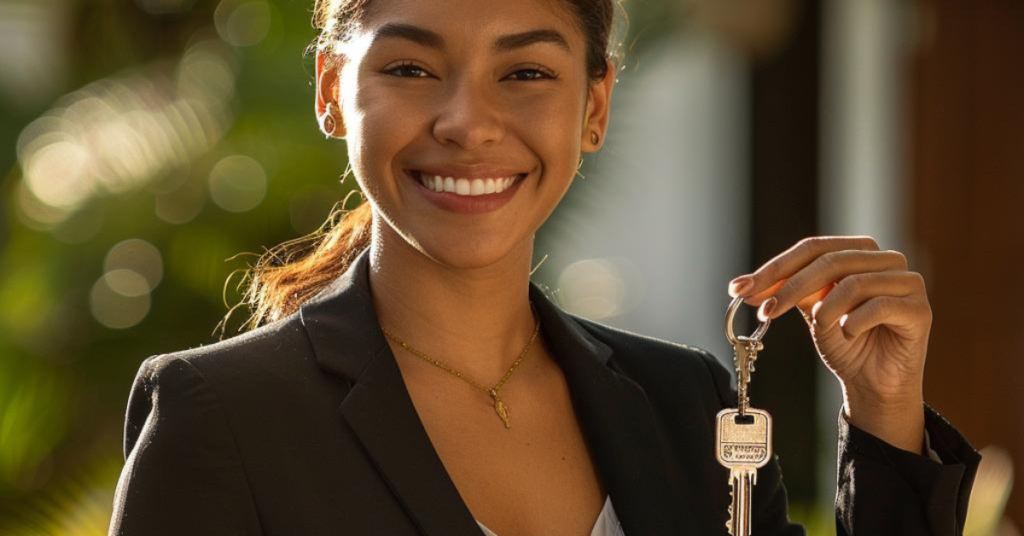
438 23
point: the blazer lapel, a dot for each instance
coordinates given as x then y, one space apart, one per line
614 414
618 423
346 337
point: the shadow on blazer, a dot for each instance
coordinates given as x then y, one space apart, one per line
305 427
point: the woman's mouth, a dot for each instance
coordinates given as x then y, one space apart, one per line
466 186
464 195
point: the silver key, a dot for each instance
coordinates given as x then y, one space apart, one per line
743 436
743 443
746 350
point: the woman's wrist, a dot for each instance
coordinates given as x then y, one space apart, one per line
897 421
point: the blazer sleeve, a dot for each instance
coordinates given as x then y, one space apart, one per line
182 472
883 489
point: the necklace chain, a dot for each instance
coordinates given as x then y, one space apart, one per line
499 406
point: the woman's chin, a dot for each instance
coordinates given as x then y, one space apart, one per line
465 255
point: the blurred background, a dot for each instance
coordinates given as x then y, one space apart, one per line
145 144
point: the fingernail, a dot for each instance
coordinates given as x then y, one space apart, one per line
765 312
740 285
814 310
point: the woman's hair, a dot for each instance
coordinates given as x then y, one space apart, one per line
292 272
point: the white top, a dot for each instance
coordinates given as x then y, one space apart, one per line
607 523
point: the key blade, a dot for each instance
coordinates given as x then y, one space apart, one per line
742 481
743 353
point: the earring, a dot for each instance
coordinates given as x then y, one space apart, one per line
594 138
327 122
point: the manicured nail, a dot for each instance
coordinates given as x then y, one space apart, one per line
740 285
765 312
814 312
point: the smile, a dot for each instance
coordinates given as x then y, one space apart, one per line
477 195
466 187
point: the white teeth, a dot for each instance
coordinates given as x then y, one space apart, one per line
467 187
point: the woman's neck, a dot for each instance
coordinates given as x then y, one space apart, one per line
476 319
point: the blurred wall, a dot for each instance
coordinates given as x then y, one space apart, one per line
966 170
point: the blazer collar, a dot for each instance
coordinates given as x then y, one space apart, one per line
614 413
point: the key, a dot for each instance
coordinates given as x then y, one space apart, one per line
743 444
746 350
743 436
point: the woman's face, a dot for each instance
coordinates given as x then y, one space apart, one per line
425 90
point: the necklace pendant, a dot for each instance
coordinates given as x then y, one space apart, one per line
502 411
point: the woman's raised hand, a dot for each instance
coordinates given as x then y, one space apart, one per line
869 318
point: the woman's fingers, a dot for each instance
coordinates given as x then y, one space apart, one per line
901 314
805 273
831 267
855 290
789 262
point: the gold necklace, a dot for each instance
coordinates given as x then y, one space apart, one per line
499 406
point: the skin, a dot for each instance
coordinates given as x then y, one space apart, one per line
869 318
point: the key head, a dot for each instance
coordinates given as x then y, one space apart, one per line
743 441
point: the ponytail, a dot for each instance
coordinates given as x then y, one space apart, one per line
292 272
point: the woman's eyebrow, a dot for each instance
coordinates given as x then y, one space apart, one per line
505 43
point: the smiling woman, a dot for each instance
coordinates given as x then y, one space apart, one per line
406 377
392 61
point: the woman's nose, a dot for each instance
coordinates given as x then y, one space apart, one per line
470 117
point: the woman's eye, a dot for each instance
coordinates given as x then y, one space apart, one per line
410 70
536 74
406 68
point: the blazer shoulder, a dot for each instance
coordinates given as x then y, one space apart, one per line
264 345
272 356
651 361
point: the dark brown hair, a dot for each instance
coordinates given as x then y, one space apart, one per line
294 271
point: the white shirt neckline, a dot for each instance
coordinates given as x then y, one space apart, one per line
606 524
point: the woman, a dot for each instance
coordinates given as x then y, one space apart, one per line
413 380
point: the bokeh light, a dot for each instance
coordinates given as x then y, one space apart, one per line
238 183
119 134
600 288
112 303
243 23
138 257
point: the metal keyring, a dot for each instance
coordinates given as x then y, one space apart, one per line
729 334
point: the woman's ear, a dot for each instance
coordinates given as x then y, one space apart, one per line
327 105
599 97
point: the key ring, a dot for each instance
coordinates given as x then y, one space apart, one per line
729 334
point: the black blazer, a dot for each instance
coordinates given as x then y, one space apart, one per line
305 427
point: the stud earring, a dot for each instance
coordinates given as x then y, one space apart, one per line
327 123
594 138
